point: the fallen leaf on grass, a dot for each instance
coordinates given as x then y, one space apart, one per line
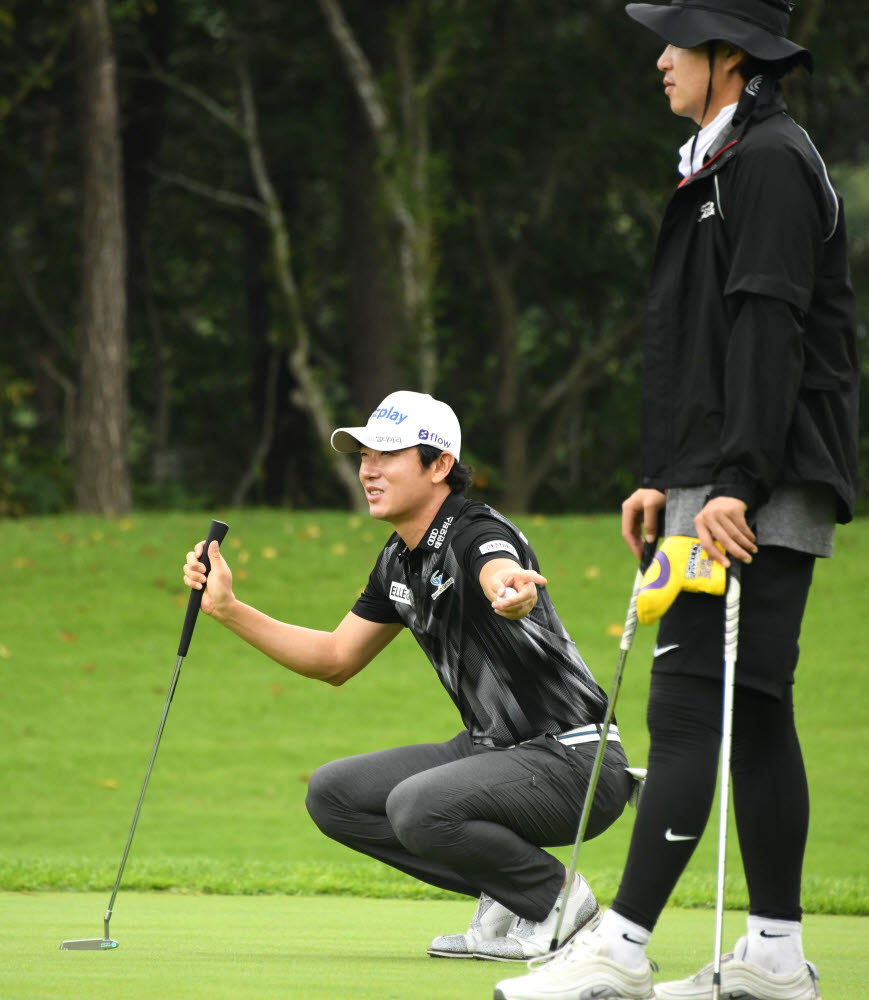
269 552
23 562
615 630
65 636
107 783
4 653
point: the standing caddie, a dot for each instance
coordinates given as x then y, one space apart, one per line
474 814
749 443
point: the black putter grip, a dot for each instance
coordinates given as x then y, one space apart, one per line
216 533
648 555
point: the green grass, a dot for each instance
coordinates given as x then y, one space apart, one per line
90 615
190 947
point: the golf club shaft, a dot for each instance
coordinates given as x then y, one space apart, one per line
169 695
217 532
731 641
624 648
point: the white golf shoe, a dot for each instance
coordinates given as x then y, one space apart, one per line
528 939
581 971
741 980
490 922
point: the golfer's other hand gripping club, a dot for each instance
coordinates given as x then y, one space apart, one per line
209 577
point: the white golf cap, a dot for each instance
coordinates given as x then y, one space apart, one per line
404 419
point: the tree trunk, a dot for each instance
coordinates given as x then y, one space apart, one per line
374 295
101 473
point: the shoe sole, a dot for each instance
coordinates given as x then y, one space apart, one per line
450 954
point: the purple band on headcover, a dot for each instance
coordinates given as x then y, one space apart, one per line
663 577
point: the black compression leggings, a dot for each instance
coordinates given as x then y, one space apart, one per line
770 796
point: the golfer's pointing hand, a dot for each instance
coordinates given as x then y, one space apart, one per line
219 589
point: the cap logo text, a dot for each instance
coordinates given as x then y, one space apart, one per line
390 414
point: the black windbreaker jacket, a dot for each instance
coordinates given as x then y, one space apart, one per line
751 372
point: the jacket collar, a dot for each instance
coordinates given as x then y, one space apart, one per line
755 105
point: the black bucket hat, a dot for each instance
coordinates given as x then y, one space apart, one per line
758 27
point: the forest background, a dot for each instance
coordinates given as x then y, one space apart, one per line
228 226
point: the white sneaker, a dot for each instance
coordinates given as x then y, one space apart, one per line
490 921
581 971
529 939
745 981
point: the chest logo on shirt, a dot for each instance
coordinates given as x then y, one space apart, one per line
439 583
399 593
707 210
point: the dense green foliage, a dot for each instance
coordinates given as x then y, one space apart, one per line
90 614
522 168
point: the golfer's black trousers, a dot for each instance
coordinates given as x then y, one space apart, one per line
471 818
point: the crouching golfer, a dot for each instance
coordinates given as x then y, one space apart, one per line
471 815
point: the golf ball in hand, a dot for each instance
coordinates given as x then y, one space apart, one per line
509 592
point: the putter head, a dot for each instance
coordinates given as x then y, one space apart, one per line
89 944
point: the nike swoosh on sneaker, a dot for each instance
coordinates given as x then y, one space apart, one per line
595 992
660 650
675 837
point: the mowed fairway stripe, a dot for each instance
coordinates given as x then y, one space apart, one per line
178 947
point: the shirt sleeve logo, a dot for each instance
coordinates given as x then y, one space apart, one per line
399 593
499 545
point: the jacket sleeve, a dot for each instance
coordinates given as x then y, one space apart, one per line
763 371
775 214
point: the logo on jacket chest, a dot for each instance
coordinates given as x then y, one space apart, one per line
707 210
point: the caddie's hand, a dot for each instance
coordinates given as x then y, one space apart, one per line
218 591
640 518
722 520
516 592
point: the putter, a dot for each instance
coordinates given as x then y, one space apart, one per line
217 532
624 648
731 641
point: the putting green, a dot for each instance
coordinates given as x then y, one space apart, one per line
193 946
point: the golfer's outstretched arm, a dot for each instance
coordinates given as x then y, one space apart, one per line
333 657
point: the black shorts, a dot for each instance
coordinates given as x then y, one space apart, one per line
775 587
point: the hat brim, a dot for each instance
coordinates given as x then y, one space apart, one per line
350 439
687 27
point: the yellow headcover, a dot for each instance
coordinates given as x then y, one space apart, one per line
679 564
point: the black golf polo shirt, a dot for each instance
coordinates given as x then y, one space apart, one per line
510 680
